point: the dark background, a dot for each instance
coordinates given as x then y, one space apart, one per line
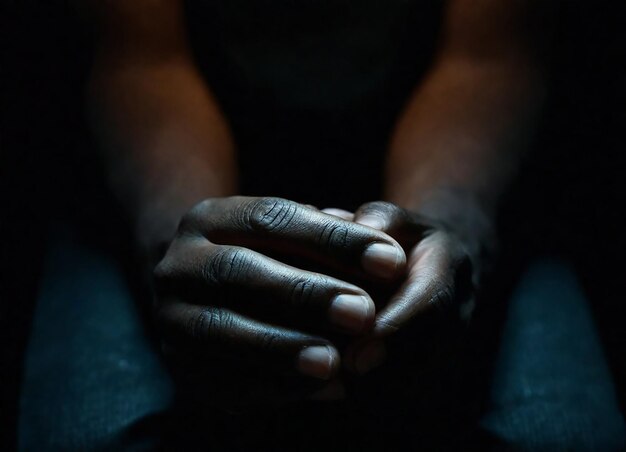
569 200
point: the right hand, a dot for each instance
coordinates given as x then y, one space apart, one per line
230 312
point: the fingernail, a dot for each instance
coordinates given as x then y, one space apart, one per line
343 214
352 312
332 391
383 260
371 356
373 221
318 361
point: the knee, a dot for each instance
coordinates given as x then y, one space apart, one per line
551 389
92 431
550 425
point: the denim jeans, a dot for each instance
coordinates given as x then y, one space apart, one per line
92 380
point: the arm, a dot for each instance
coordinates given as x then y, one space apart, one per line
225 309
454 149
459 140
163 136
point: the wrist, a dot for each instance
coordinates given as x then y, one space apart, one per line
157 217
461 212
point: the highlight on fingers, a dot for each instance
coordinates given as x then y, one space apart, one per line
221 331
243 279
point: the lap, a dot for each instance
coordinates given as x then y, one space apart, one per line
91 377
93 381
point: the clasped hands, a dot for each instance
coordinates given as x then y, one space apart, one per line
269 299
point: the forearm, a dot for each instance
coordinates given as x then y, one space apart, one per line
463 132
164 140
461 137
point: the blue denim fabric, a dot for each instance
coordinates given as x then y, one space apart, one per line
91 377
552 389
93 382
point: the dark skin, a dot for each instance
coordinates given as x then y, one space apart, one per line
286 292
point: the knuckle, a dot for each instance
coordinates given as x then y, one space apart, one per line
226 266
164 275
334 235
193 216
197 323
210 324
443 296
302 291
162 271
269 214
268 339
388 324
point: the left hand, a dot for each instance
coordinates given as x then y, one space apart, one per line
444 266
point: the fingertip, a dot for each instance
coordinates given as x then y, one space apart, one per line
372 221
318 361
354 313
384 260
341 213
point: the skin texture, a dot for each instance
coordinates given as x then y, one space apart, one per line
166 149
221 298
250 283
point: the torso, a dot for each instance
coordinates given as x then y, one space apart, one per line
312 87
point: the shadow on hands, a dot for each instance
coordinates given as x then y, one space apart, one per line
419 327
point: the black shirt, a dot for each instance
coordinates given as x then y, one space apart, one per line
312 88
